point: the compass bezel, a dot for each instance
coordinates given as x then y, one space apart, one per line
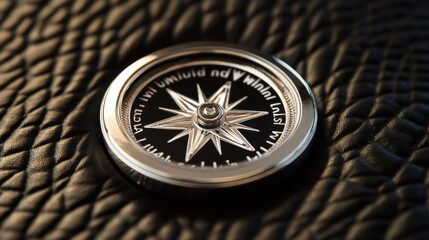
135 162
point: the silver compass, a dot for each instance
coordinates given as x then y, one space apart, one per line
207 115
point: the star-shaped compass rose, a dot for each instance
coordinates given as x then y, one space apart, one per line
212 118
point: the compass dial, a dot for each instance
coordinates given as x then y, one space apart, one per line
220 116
210 118
191 117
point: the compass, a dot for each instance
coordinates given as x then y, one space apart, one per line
207 116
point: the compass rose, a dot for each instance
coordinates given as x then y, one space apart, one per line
205 119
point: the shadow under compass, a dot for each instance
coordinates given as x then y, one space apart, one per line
286 188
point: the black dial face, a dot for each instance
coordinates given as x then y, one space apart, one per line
207 114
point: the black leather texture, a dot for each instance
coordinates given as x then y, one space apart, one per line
365 177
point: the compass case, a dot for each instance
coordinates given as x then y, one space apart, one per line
207 116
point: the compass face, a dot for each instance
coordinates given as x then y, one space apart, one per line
208 114
191 117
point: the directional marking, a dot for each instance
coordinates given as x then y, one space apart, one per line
198 136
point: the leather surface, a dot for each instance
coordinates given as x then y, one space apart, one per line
366 61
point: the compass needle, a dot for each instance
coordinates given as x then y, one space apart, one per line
176 123
198 136
234 137
197 139
241 126
234 104
201 97
181 134
179 112
216 142
239 116
185 103
221 96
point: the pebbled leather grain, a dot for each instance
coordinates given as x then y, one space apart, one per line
366 61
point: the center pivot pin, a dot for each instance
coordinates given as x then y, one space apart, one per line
210 115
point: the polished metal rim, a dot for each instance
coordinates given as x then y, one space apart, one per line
131 158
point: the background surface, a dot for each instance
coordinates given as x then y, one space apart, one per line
366 61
